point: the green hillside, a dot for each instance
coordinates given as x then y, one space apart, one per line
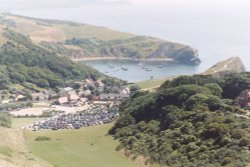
79 41
22 61
13 151
90 147
189 121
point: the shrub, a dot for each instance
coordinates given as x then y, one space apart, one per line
42 138
5 120
238 133
226 161
244 142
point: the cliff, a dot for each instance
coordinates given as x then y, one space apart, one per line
79 41
231 65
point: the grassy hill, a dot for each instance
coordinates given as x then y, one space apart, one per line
90 146
58 31
152 84
231 65
23 62
81 40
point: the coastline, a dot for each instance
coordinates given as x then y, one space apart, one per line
120 58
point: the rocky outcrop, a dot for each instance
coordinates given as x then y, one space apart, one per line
177 52
231 65
135 48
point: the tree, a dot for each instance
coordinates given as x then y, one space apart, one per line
5 120
214 88
134 88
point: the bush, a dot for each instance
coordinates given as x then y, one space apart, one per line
226 161
5 120
134 88
42 138
215 89
238 133
244 142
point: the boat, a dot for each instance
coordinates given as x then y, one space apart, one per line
124 68
140 64
160 67
110 66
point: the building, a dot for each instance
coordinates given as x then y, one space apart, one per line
125 91
39 97
85 93
6 101
66 91
63 100
49 92
244 98
73 97
20 98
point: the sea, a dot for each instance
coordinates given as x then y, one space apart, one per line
217 31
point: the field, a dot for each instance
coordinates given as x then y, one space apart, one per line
151 84
19 122
62 31
89 147
90 32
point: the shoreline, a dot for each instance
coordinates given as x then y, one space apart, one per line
119 58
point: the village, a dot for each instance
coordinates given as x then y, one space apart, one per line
85 103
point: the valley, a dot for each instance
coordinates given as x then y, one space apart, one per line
74 94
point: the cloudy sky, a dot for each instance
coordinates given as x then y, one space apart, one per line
33 4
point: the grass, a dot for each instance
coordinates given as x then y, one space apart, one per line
89 147
13 151
90 32
62 31
2 39
151 84
19 122
4 150
41 104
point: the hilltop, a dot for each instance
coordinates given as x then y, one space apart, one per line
220 69
231 65
188 121
79 41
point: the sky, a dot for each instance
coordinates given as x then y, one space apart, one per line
38 4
